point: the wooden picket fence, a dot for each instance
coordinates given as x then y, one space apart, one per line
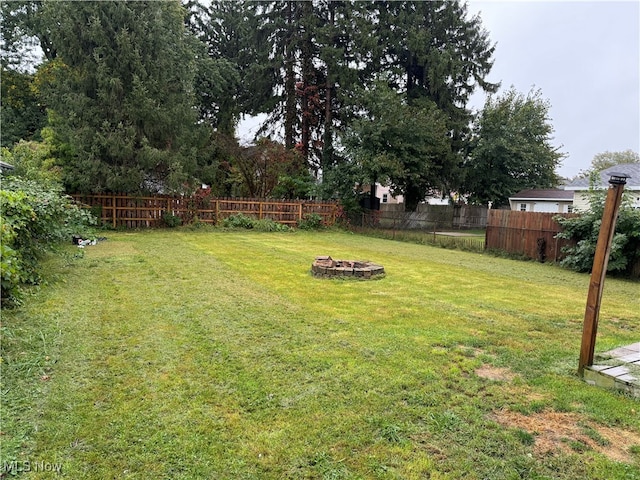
128 211
530 234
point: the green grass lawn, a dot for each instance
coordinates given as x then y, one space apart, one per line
184 354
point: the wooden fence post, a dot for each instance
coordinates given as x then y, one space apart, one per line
599 270
113 209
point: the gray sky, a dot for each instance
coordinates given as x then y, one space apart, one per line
584 57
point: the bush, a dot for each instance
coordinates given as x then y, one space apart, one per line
245 222
34 217
584 230
238 220
171 220
311 221
268 225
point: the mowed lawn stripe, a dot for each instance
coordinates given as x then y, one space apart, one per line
217 355
157 339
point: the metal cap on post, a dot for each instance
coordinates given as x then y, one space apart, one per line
618 178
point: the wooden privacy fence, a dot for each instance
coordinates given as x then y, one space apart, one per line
119 210
530 234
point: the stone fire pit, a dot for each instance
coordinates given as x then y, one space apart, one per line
327 267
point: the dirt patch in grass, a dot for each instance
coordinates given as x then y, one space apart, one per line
570 433
495 373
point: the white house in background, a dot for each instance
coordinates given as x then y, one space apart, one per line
384 194
552 200
580 186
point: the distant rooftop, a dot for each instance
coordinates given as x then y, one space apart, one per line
630 169
547 194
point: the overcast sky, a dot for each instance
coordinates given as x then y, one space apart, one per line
585 58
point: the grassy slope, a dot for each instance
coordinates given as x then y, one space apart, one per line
217 355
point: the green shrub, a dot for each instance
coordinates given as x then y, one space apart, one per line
311 221
34 217
197 224
242 221
238 220
170 220
584 230
268 225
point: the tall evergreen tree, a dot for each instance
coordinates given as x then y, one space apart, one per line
307 48
224 58
25 34
432 50
121 94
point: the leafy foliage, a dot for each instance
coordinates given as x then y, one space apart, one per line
35 217
260 169
241 221
433 50
624 258
512 148
32 160
21 114
311 221
604 160
402 144
238 220
268 225
171 220
25 34
141 96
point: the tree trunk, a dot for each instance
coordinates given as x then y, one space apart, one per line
327 140
307 80
412 198
290 81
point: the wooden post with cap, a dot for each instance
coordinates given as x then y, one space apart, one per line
599 270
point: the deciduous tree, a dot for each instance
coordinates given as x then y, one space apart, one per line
512 148
22 115
262 167
604 160
404 145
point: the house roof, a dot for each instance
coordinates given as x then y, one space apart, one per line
543 194
630 169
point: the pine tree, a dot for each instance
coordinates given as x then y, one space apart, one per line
431 50
121 94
